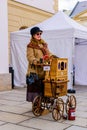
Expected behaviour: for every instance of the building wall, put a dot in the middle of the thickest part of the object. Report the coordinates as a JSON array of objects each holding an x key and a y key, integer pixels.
[
  {"x": 3, "y": 37},
  {"x": 46, "y": 5},
  {"x": 5, "y": 77},
  {"x": 81, "y": 18},
  {"x": 21, "y": 15}
]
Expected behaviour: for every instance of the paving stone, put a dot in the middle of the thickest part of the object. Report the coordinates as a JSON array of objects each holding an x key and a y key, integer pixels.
[
  {"x": 2, "y": 122},
  {"x": 81, "y": 114},
  {"x": 76, "y": 128},
  {"x": 13, "y": 118},
  {"x": 81, "y": 108},
  {"x": 8, "y": 102},
  {"x": 13, "y": 109},
  {"x": 29, "y": 113},
  {"x": 14, "y": 127},
  {"x": 12, "y": 98},
  {"x": 44, "y": 124},
  {"x": 50, "y": 118},
  {"x": 26, "y": 105},
  {"x": 78, "y": 121}
]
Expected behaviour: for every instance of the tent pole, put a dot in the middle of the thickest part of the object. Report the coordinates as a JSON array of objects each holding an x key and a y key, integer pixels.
[{"x": 72, "y": 71}]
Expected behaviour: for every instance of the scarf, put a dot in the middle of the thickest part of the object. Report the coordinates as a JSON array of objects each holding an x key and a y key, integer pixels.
[{"x": 35, "y": 45}]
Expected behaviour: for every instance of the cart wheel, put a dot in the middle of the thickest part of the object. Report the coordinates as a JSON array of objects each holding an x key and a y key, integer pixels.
[
  {"x": 36, "y": 106},
  {"x": 60, "y": 105},
  {"x": 56, "y": 114},
  {"x": 70, "y": 102}
]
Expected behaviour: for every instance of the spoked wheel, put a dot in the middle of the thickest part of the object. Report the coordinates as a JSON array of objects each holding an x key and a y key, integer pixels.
[
  {"x": 60, "y": 106},
  {"x": 36, "y": 106},
  {"x": 70, "y": 102},
  {"x": 56, "y": 114},
  {"x": 58, "y": 109}
]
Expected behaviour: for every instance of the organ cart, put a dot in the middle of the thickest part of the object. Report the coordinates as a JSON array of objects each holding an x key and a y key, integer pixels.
[{"x": 55, "y": 86}]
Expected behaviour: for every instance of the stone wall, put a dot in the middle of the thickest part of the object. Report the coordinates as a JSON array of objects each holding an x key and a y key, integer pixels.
[{"x": 5, "y": 82}]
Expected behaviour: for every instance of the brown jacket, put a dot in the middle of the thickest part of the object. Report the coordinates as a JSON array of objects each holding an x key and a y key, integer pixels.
[{"x": 35, "y": 51}]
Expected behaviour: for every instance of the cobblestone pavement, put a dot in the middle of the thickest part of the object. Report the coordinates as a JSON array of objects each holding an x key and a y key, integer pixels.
[{"x": 16, "y": 113}]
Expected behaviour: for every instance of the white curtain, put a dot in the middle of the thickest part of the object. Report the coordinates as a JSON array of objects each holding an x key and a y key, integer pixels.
[
  {"x": 81, "y": 64},
  {"x": 19, "y": 61}
]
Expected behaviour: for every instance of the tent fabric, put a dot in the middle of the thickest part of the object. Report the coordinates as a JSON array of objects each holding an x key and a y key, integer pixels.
[
  {"x": 19, "y": 61},
  {"x": 61, "y": 33},
  {"x": 81, "y": 61},
  {"x": 59, "y": 22}
]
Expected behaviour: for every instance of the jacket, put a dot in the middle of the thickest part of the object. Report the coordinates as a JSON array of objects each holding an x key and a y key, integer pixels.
[{"x": 35, "y": 51}]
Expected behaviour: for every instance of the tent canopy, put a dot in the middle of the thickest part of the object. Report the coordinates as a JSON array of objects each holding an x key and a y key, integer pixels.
[
  {"x": 60, "y": 32},
  {"x": 60, "y": 22}
]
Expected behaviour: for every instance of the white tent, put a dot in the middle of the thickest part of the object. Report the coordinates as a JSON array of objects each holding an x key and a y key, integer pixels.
[{"x": 65, "y": 38}]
